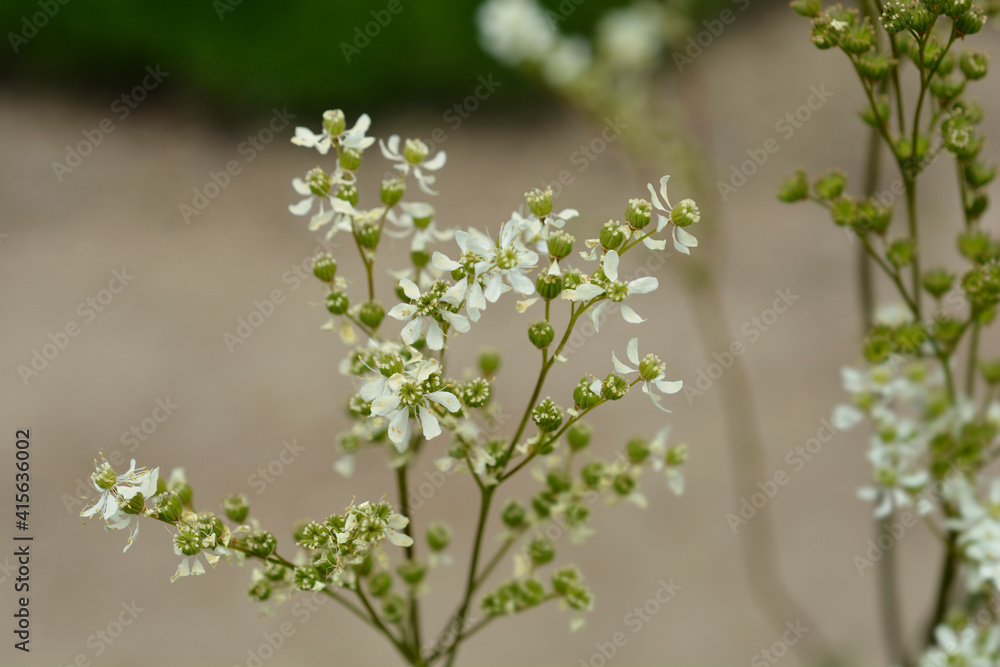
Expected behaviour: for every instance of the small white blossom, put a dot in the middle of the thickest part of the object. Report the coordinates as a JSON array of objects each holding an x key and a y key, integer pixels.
[
  {"x": 683, "y": 241},
  {"x": 658, "y": 382},
  {"x": 404, "y": 396},
  {"x": 390, "y": 149},
  {"x": 426, "y": 305},
  {"x": 353, "y": 138},
  {"x": 515, "y": 31}
]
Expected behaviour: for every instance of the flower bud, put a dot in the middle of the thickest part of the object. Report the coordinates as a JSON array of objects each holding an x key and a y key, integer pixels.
[
  {"x": 420, "y": 258},
  {"x": 583, "y": 397},
  {"x": 105, "y": 477},
  {"x": 612, "y": 235},
  {"x": 974, "y": 64},
  {"x": 592, "y": 474},
  {"x": 937, "y": 282},
  {"x": 236, "y": 507},
  {"x": 979, "y": 174},
  {"x": 651, "y": 367},
  {"x": 348, "y": 193},
  {"x": 560, "y": 244},
  {"x": 261, "y": 543},
  {"x": 178, "y": 484},
  {"x": 824, "y": 36},
  {"x": 260, "y": 591},
  {"x": 371, "y": 314},
  {"x": 476, "y": 393},
  {"x": 921, "y": 18},
  {"x": 971, "y": 21},
  {"x": 638, "y": 213},
  {"x": 169, "y": 507},
  {"x": 808, "y": 8},
  {"x": 350, "y": 159},
  {"x": 614, "y": 387},
  {"x": 547, "y": 416},
  {"x": 637, "y": 450},
  {"x": 325, "y": 267},
  {"x": 623, "y": 484},
  {"x": 859, "y": 39},
  {"x": 566, "y": 578},
  {"x": 513, "y": 514},
  {"x": 392, "y": 190},
  {"x": 334, "y": 122},
  {"x": 549, "y": 285},
  {"x": 133, "y": 505},
  {"x": 319, "y": 182},
  {"x": 439, "y": 536},
  {"x": 977, "y": 206},
  {"x": 274, "y": 571},
  {"x": 558, "y": 481},
  {"x": 337, "y": 303},
  {"x": 314, "y": 536},
  {"x": 875, "y": 66},
  {"x": 946, "y": 89},
  {"x": 990, "y": 371},
  {"x": 188, "y": 541},
  {"x": 953, "y": 8},
  {"x": 579, "y": 598},
  {"x": 368, "y": 235},
  {"x": 896, "y": 17},
  {"x": 415, "y": 151},
  {"x": 411, "y": 571},
  {"x": 901, "y": 252},
  {"x": 393, "y": 608},
  {"x": 541, "y": 551},
  {"x": 685, "y": 213},
  {"x": 676, "y": 455},
  {"x": 877, "y": 116},
  {"x": 977, "y": 246},
  {"x": 380, "y": 584},
  {"x": 307, "y": 578},
  {"x": 830, "y": 185},
  {"x": 489, "y": 361},
  {"x": 540, "y": 202},
  {"x": 873, "y": 217},
  {"x": 579, "y": 435},
  {"x": 795, "y": 189},
  {"x": 844, "y": 212},
  {"x": 541, "y": 334}
]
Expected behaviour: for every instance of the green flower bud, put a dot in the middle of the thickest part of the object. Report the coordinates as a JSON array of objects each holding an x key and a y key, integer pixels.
[
  {"x": 977, "y": 246},
  {"x": 677, "y": 455},
  {"x": 638, "y": 213},
  {"x": 371, "y": 314},
  {"x": 549, "y": 285},
  {"x": 651, "y": 367},
  {"x": 579, "y": 435},
  {"x": 877, "y": 116},
  {"x": 368, "y": 234},
  {"x": 946, "y": 89},
  {"x": 411, "y": 571},
  {"x": 187, "y": 541},
  {"x": 795, "y": 189},
  {"x": 513, "y": 514},
  {"x": 183, "y": 490},
  {"x": 623, "y": 484},
  {"x": 572, "y": 279},
  {"x": 348, "y": 193},
  {"x": 261, "y": 543},
  {"x": 319, "y": 182},
  {"x": 808, "y": 8},
  {"x": 685, "y": 213},
  {"x": 393, "y": 608},
  {"x": 489, "y": 361},
  {"x": 592, "y": 474},
  {"x": 541, "y": 551},
  {"x": 824, "y": 36},
  {"x": 558, "y": 481},
  {"x": 844, "y": 212},
  {"x": 990, "y": 371},
  {"x": 977, "y": 206},
  {"x": 583, "y": 397},
  {"x": 904, "y": 146},
  {"x": 560, "y": 244},
  {"x": 637, "y": 450},
  {"x": 476, "y": 393},
  {"x": 576, "y": 514},
  {"x": 334, "y": 122},
  {"x": 236, "y": 507},
  {"x": 439, "y": 536},
  {"x": 540, "y": 202},
  {"x": 830, "y": 185},
  {"x": 953, "y": 8},
  {"x": 350, "y": 159},
  {"x": 307, "y": 578},
  {"x": 971, "y": 21},
  {"x": 612, "y": 235},
  {"x": 420, "y": 258},
  {"x": 337, "y": 303},
  {"x": 274, "y": 571},
  {"x": 614, "y": 387},
  {"x": 579, "y": 598},
  {"x": 937, "y": 282},
  {"x": 392, "y": 190},
  {"x": 975, "y": 64},
  {"x": 169, "y": 507},
  {"x": 415, "y": 151},
  {"x": 876, "y": 349},
  {"x": 260, "y": 591},
  {"x": 896, "y": 17},
  {"x": 380, "y": 584},
  {"x": 325, "y": 267},
  {"x": 566, "y": 578},
  {"x": 530, "y": 593},
  {"x": 541, "y": 334},
  {"x": 314, "y": 536},
  {"x": 979, "y": 174},
  {"x": 875, "y": 66},
  {"x": 901, "y": 252},
  {"x": 859, "y": 38},
  {"x": 921, "y": 18},
  {"x": 547, "y": 416},
  {"x": 133, "y": 505},
  {"x": 105, "y": 477}
]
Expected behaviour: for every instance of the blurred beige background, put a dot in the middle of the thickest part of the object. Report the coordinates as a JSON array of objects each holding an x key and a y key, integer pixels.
[{"x": 162, "y": 338}]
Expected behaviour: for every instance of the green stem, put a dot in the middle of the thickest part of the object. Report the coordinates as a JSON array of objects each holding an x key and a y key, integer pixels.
[{"x": 404, "y": 503}]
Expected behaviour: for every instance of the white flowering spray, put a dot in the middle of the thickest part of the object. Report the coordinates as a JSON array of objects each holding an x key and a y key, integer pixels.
[
  {"x": 926, "y": 389},
  {"x": 406, "y": 404}
]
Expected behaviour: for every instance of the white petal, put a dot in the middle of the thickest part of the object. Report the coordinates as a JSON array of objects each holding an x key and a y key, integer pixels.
[
  {"x": 302, "y": 207},
  {"x": 633, "y": 351},
  {"x": 435, "y": 162},
  {"x": 399, "y": 539},
  {"x": 522, "y": 306},
  {"x": 584, "y": 292},
  {"x": 654, "y": 244},
  {"x": 643, "y": 285},
  {"x": 457, "y": 321},
  {"x": 435, "y": 337},
  {"x": 456, "y": 292},
  {"x": 383, "y": 405},
  {"x": 429, "y": 423},
  {"x": 686, "y": 238},
  {"x": 411, "y": 332},
  {"x": 320, "y": 219},
  {"x": 410, "y": 289},
  {"x": 611, "y": 265},
  {"x": 620, "y": 367},
  {"x": 630, "y": 315},
  {"x": 402, "y": 311},
  {"x": 596, "y": 314},
  {"x": 668, "y": 386},
  {"x": 399, "y": 428},
  {"x": 521, "y": 283},
  {"x": 301, "y": 187},
  {"x": 443, "y": 262},
  {"x": 595, "y": 387},
  {"x": 663, "y": 191},
  {"x": 445, "y": 398},
  {"x": 494, "y": 287}
]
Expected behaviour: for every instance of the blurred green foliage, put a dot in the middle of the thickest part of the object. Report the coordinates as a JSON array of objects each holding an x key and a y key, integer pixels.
[{"x": 246, "y": 56}]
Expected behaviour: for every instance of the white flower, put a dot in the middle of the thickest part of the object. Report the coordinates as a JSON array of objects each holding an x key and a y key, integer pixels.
[
  {"x": 404, "y": 396},
  {"x": 616, "y": 291},
  {"x": 515, "y": 31},
  {"x": 492, "y": 263},
  {"x": 390, "y": 149},
  {"x": 115, "y": 489},
  {"x": 683, "y": 241},
  {"x": 658, "y": 451},
  {"x": 971, "y": 647},
  {"x": 631, "y": 37},
  {"x": 423, "y": 233},
  {"x": 426, "y": 306},
  {"x": 353, "y": 138},
  {"x": 330, "y": 208},
  {"x": 567, "y": 61},
  {"x": 646, "y": 368}
]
